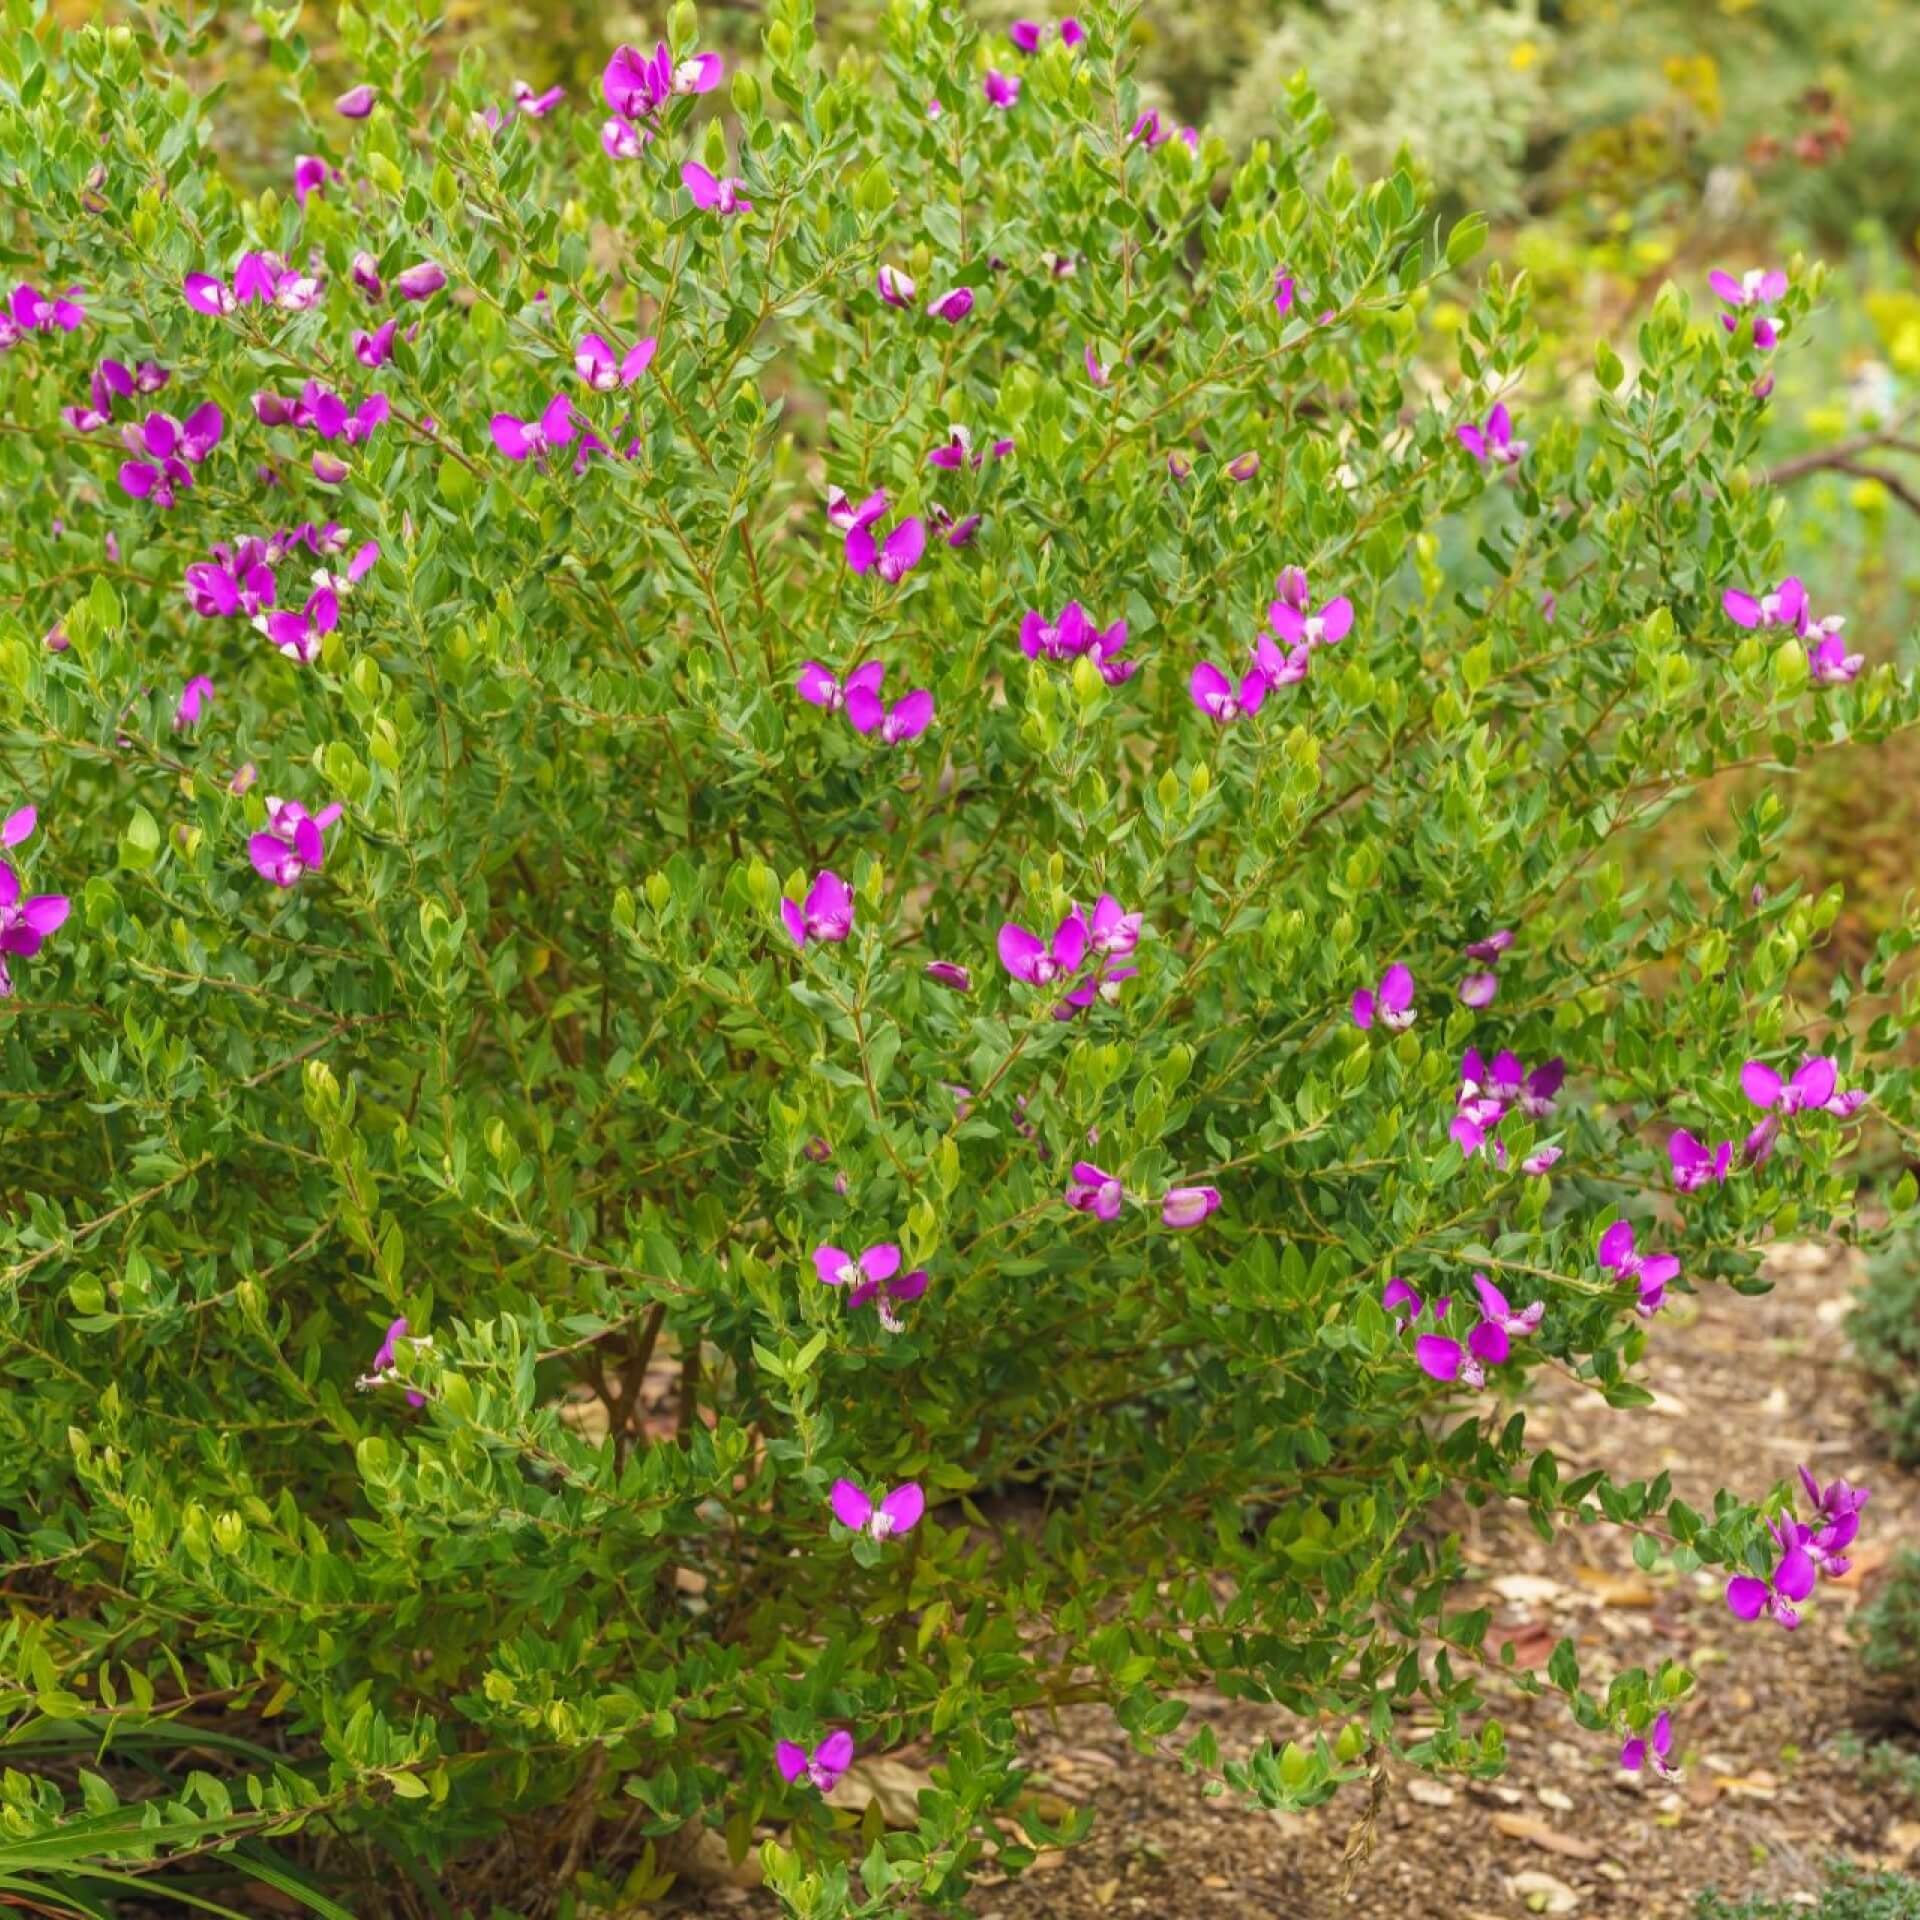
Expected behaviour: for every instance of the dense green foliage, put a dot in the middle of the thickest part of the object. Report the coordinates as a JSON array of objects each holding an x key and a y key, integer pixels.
[
  {"x": 532, "y": 1062},
  {"x": 1886, "y": 1334}
]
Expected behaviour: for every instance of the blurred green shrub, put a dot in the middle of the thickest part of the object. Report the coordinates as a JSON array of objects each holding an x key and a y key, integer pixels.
[
  {"x": 1850, "y": 1893},
  {"x": 1885, "y": 1327}
]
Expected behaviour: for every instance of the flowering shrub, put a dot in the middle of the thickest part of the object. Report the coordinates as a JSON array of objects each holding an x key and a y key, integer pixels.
[{"x": 801, "y": 861}]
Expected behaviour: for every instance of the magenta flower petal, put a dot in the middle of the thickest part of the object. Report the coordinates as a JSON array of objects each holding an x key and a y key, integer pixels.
[{"x": 851, "y": 1507}]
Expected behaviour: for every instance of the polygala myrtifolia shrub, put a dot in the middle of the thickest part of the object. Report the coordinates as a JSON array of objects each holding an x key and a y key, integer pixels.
[{"x": 794, "y": 864}]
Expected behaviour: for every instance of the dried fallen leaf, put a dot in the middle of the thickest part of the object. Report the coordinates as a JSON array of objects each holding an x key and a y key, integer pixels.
[
  {"x": 1542, "y": 1893},
  {"x": 896, "y": 1787},
  {"x": 698, "y": 1855},
  {"x": 1527, "y": 1589},
  {"x": 1749, "y": 1786},
  {"x": 1554, "y": 1798},
  {"x": 1616, "y": 1589},
  {"x": 1903, "y": 1836},
  {"x": 1428, "y": 1793},
  {"x": 1532, "y": 1641},
  {"x": 1523, "y": 1826}
]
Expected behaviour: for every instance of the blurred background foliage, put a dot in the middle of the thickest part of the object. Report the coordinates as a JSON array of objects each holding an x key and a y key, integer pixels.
[{"x": 1616, "y": 144}]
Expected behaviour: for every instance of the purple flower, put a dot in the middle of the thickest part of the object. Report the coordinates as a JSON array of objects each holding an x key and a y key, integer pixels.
[
  {"x": 1001, "y": 89},
  {"x": 872, "y": 1268},
  {"x": 1400, "y": 1300},
  {"x": 895, "y": 1512},
  {"x": 386, "y": 1360},
  {"x": 1298, "y": 623},
  {"x": 1218, "y": 697},
  {"x": 1540, "y": 1161},
  {"x": 1694, "y": 1164},
  {"x": 536, "y": 106},
  {"x": 1812, "y": 1085},
  {"x": 1282, "y": 290},
  {"x": 636, "y": 86},
  {"x": 622, "y": 139},
  {"x": 887, "y": 1294},
  {"x": 958, "y": 451},
  {"x": 1095, "y": 371},
  {"x": 1494, "y": 1307},
  {"x": 528, "y": 439},
  {"x": 1441, "y": 1358},
  {"x": 170, "y": 444},
  {"x": 195, "y": 697},
  {"x": 1837, "y": 1508},
  {"x": 297, "y": 633},
  {"x": 419, "y": 282},
  {"x": 1543, "y": 1087},
  {"x": 948, "y": 973},
  {"x": 1113, "y": 931},
  {"x": 827, "y": 914},
  {"x": 717, "y": 193},
  {"x": 357, "y": 102},
  {"x": 1071, "y": 32},
  {"x": 1063, "y": 638},
  {"x": 905, "y": 720},
  {"x": 1093, "y": 1191},
  {"x": 1025, "y": 34},
  {"x": 956, "y": 533},
  {"x": 24, "y": 923},
  {"x": 1494, "y": 442},
  {"x": 1793, "y": 1578},
  {"x": 1651, "y": 1270},
  {"x": 1105, "y": 652},
  {"x": 1244, "y": 467},
  {"x": 293, "y": 844},
  {"x": 1039, "y": 963},
  {"x": 1828, "y": 661},
  {"x": 899, "y": 554},
  {"x": 1491, "y": 948},
  {"x": 310, "y": 175},
  {"x": 1280, "y": 669},
  {"x": 845, "y": 516},
  {"x": 1757, "y": 289},
  {"x": 375, "y": 349},
  {"x": 1652, "y": 1751},
  {"x": 823, "y": 1767},
  {"x": 952, "y": 306},
  {"x": 1393, "y": 1004},
  {"x": 35, "y": 312},
  {"x": 1149, "y": 129},
  {"x": 600, "y": 368},
  {"x": 1188, "y": 1206},
  {"x": 895, "y": 286},
  {"x": 819, "y": 687},
  {"x": 1757, "y": 1148},
  {"x": 1784, "y": 606},
  {"x": 1478, "y": 989},
  {"x": 1102, "y": 986}
]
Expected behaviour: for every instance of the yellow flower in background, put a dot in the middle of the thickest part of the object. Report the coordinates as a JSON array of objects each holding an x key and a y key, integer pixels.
[
  {"x": 1896, "y": 319},
  {"x": 1523, "y": 56}
]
